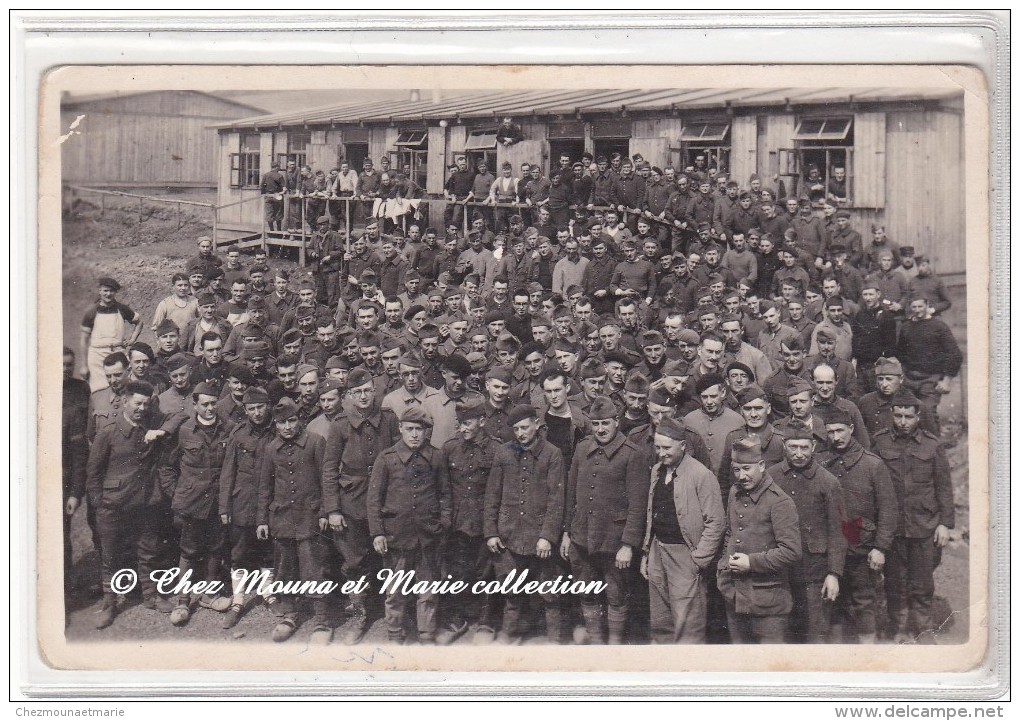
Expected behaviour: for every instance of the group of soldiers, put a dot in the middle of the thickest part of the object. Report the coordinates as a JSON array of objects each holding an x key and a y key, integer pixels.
[{"x": 735, "y": 430}]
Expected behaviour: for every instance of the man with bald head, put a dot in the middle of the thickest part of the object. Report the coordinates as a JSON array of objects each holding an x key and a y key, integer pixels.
[{"x": 826, "y": 398}]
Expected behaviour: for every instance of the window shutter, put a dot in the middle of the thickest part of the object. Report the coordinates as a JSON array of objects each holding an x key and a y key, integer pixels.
[{"x": 869, "y": 161}]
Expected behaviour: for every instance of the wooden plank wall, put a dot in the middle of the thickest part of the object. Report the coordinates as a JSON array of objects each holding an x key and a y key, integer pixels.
[
  {"x": 774, "y": 133},
  {"x": 743, "y": 148},
  {"x": 436, "y": 160},
  {"x": 869, "y": 163},
  {"x": 925, "y": 203}
]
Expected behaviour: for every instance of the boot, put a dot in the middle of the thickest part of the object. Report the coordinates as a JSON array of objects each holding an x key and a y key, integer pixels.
[
  {"x": 554, "y": 624},
  {"x": 155, "y": 602},
  {"x": 107, "y": 611},
  {"x": 863, "y": 638},
  {"x": 898, "y": 626},
  {"x": 359, "y": 621},
  {"x": 233, "y": 614},
  {"x": 285, "y": 628},
  {"x": 322, "y": 629},
  {"x": 594, "y": 621},
  {"x": 617, "y": 625}
]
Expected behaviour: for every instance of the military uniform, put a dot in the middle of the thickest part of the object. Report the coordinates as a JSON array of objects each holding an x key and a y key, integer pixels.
[
  {"x": 238, "y": 494},
  {"x": 771, "y": 449},
  {"x": 714, "y": 430}
]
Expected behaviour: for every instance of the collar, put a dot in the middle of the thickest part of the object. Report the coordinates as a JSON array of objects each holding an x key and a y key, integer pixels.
[
  {"x": 404, "y": 453},
  {"x": 850, "y": 457},
  {"x": 125, "y": 426},
  {"x": 300, "y": 441},
  {"x": 757, "y": 493},
  {"x": 808, "y": 471},
  {"x": 610, "y": 448}
]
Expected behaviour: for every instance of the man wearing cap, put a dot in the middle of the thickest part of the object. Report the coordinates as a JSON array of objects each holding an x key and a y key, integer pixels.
[
  {"x": 330, "y": 393},
  {"x": 597, "y": 275},
  {"x": 498, "y": 382},
  {"x": 210, "y": 367},
  {"x": 879, "y": 245},
  {"x": 290, "y": 506},
  {"x": 634, "y": 277},
  {"x": 874, "y": 333},
  {"x": 835, "y": 327},
  {"x": 755, "y": 409},
  {"x": 177, "y": 399},
  {"x": 273, "y": 187},
  {"x": 607, "y": 489},
  {"x": 775, "y": 333},
  {"x": 684, "y": 528},
  {"x": 256, "y": 326},
  {"x": 441, "y": 407},
  {"x": 819, "y": 500},
  {"x": 120, "y": 485},
  {"x": 408, "y": 503},
  {"x": 469, "y": 458},
  {"x": 713, "y": 421},
  {"x": 104, "y": 331},
  {"x": 876, "y": 407},
  {"x": 845, "y": 236},
  {"x": 167, "y": 337},
  {"x": 413, "y": 390},
  {"x": 801, "y": 401},
  {"x": 809, "y": 228},
  {"x": 927, "y": 285},
  {"x": 327, "y": 250},
  {"x": 653, "y": 348},
  {"x": 193, "y": 471},
  {"x": 234, "y": 307},
  {"x": 737, "y": 351},
  {"x": 206, "y": 322},
  {"x": 282, "y": 298},
  {"x": 238, "y": 496},
  {"x": 777, "y": 385},
  {"x": 523, "y": 519},
  {"x": 391, "y": 269},
  {"x": 755, "y": 583},
  {"x": 230, "y": 406},
  {"x": 827, "y": 397},
  {"x": 930, "y": 356},
  {"x": 890, "y": 281},
  {"x": 925, "y": 513},
  {"x": 870, "y": 520}
]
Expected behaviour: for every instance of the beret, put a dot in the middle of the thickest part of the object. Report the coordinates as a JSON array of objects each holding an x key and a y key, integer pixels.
[
  {"x": 566, "y": 345},
  {"x": 507, "y": 342},
  {"x": 689, "y": 336},
  {"x": 457, "y": 364},
  {"x": 176, "y": 361},
  {"x": 207, "y": 299},
  {"x": 338, "y": 361},
  {"x": 617, "y": 356},
  {"x": 652, "y": 337},
  {"x": 477, "y": 360},
  {"x": 205, "y": 389},
  {"x": 747, "y": 450},
  {"x": 637, "y": 383},
  {"x": 391, "y": 342},
  {"x": 521, "y": 412},
  {"x": 255, "y": 394},
  {"x": 411, "y": 360},
  {"x": 494, "y": 315},
  {"x": 239, "y": 371},
  {"x": 797, "y": 434},
  {"x": 167, "y": 326},
  {"x": 672, "y": 428},
  {"x": 499, "y": 373},
  {"x": 751, "y": 393},
  {"x": 707, "y": 381},
  {"x": 470, "y": 408},
  {"x": 888, "y": 367},
  {"x": 738, "y": 366},
  {"x": 143, "y": 348},
  {"x": 256, "y": 302},
  {"x": 591, "y": 368},
  {"x": 306, "y": 283},
  {"x": 660, "y": 396},
  {"x": 304, "y": 311},
  {"x": 603, "y": 408},
  {"x": 141, "y": 388},
  {"x": 838, "y": 416},
  {"x": 305, "y": 368},
  {"x": 904, "y": 397},
  {"x": 358, "y": 377},
  {"x": 330, "y": 384},
  {"x": 108, "y": 282},
  {"x": 291, "y": 336},
  {"x": 429, "y": 330},
  {"x": 285, "y": 408},
  {"x": 798, "y": 385},
  {"x": 413, "y": 310},
  {"x": 322, "y": 219}
]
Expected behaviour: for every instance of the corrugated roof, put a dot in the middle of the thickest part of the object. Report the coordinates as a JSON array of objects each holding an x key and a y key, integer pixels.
[
  {"x": 569, "y": 102},
  {"x": 70, "y": 101}
]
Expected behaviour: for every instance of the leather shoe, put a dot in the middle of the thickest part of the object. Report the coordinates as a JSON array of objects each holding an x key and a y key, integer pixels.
[
  {"x": 158, "y": 603},
  {"x": 484, "y": 635},
  {"x": 180, "y": 615},
  {"x": 214, "y": 603},
  {"x": 284, "y": 630},
  {"x": 451, "y": 633},
  {"x": 107, "y": 613},
  {"x": 357, "y": 630},
  {"x": 233, "y": 615}
]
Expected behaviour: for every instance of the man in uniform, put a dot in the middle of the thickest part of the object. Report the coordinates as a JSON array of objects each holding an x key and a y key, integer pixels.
[
  {"x": 755, "y": 583},
  {"x": 924, "y": 491},
  {"x": 754, "y": 408},
  {"x": 819, "y": 500},
  {"x": 713, "y": 421},
  {"x": 607, "y": 495},
  {"x": 684, "y": 528}
]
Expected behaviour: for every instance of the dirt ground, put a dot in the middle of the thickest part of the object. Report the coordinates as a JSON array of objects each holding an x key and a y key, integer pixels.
[{"x": 143, "y": 256}]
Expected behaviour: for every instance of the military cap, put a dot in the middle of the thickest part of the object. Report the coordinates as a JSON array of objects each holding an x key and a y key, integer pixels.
[
  {"x": 284, "y": 409},
  {"x": 603, "y": 408},
  {"x": 566, "y": 346},
  {"x": 205, "y": 389},
  {"x": 258, "y": 349},
  {"x": 627, "y": 245},
  {"x": 368, "y": 276},
  {"x": 412, "y": 274},
  {"x": 255, "y": 394},
  {"x": 256, "y": 302},
  {"x": 258, "y": 268},
  {"x": 499, "y": 373},
  {"x": 478, "y": 361},
  {"x": 195, "y": 267},
  {"x": 838, "y": 416},
  {"x": 507, "y": 342},
  {"x": 435, "y": 292},
  {"x": 737, "y": 365},
  {"x": 747, "y": 450},
  {"x": 837, "y": 248},
  {"x": 338, "y": 361},
  {"x": 306, "y": 283},
  {"x": 416, "y": 414},
  {"x": 608, "y": 321},
  {"x": 672, "y": 428},
  {"x": 676, "y": 369},
  {"x": 414, "y": 310},
  {"x": 429, "y": 330},
  {"x": 330, "y": 384},
  {"x": 306, "y": 368},
  {"x": 541, "y": 320},
  {"x": 469, "y": 408},
  {"x": 516, "y": 219},
  {"x": 652, "y": 337},
  {"x": 494, "y": 315},
  {"x": 167, "y": 326},
  {"x": 411, "y": 360},
  {"x": 291, "y": 336},
  {"x": 520, "y": 412},
  {"x": 797, "y": 434},
  {"x": 708, "y": 309},
  {"x": 452, "y": 291},
  {"x": 797, "y": 386},
  {"x": 843, "y": 214},
  {"x": 322, "y": 219},
  {"x": 636, "y": 383},
  {"x": 214, "y": 273},
  {"x": 825, "y": 335},
  {"x": 617, "y": 356},
  {"x": 391, "y": 342},
  {"x": 282, "y": 273},
  {"x": 660, "y": 396},
  {"x": 752, "y": 393},
  {"x": 591, "y": 368},
  {"x": 707, "y": 381},
  {"x": 920, "y": 258},
  {"x": 304, "y": 311},
  {"x": 457, "y": 364},
  {"x": 888, "y": 367},
  {"x": 903, "y": 397},
  {"x": 906, "y": 250},
  {"x": 359, "y": 377},
  {"x": 239, "y": 371},
  {"x": 207, "y": 299},
  {"x": 108, "y": 282},
  {"x": 689, "y": 336},
  {"x": 704, "y": 226},
  {"x": 176, "y": 361}
]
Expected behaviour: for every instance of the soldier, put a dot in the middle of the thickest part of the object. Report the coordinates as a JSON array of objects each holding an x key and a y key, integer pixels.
[
  {"x": 120, "y": 485},
  {"x": 870, "y": 519},
  {"x": 354, "y": 444},
  {"x": 607, "y": 493},
  {"x": 713, "y": 421},
  {"x": 754, "y": 408},
  {"x": 827, "y": 396},
  {"x": 684, "y": 528},
  {"x": 924, "y": 491},
  {"x": 819, "y": 500},
  {"x": 755, "y": 583},
  {"x": 408, "y": 512},
  {"x": 106, "y": 404},
  {"x": 290, "y": 506},
  {"x": 194, "y": 470},
  {"x": 238, "y": 498},
  {"x": 524, "y": 502}
]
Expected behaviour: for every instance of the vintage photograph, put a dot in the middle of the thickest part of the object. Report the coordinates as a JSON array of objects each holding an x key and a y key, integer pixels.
[{"x": 373, "y": 369}]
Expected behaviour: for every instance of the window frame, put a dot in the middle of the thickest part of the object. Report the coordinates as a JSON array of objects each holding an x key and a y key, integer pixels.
[{"x": 830, "y": 143}]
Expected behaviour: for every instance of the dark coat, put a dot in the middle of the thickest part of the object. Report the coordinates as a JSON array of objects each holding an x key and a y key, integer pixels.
[
  {"x": 469, "y": 464},
  {"x": 524, "y": 496},
  {"x": 409, "y": 496},
  {"x": 920, "y": 475},
  {"x": 290, "y": 488},
  {"x": 871, "y": 506},
  {"x": 353, "y": 446},
  {"x": 198, "y": 460},
  {"x": 239, "y": 477}
]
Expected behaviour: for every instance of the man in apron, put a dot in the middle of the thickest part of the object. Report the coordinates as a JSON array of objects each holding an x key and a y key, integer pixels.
[{"x": 103, "y": 331}]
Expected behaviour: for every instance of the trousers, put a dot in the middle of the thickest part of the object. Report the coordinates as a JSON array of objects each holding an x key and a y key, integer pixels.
[{"x": 678, "y": 595}]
